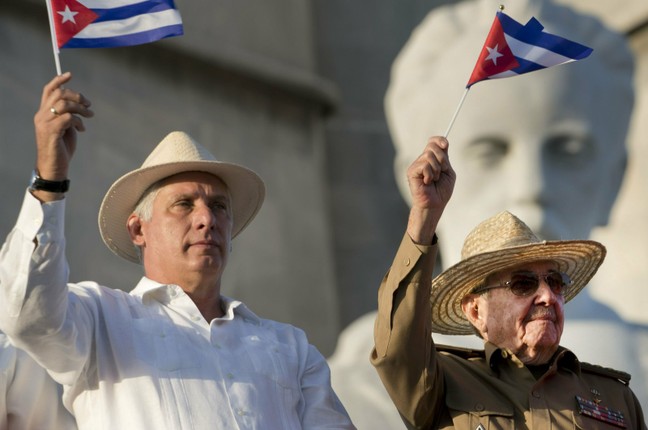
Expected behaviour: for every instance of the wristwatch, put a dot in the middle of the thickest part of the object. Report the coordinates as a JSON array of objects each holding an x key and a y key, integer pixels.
[{"x": 38, "y": 183}]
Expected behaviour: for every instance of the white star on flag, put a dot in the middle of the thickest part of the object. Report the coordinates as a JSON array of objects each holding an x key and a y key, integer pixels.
[
  {"x": 493, "y": 54},
  {"x": 67, "y": 15}
]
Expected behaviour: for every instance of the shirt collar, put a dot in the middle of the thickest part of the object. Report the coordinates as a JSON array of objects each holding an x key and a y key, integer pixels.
[{"x": 148, "y": 289}]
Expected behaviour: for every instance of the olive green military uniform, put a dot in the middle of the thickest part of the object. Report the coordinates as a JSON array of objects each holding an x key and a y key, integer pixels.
[{"x": 448, "y": 388}]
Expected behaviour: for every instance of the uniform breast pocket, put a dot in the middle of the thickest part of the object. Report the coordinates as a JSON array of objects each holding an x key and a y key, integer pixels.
[
  {"x": 275, "y": 361},
  {"x": 484, "y": 420},
  {"x": 156, "y": 343},
  {"x": 485, "y": 412}
]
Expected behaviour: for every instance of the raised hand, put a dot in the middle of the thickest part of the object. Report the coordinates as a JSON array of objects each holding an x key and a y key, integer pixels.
[
  {"x": 431, "y": 182},
  {"x": 57, "y": 122}
]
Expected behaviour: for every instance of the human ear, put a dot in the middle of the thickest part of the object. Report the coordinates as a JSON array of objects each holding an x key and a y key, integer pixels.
[
  {"x": 134, "y": 226},
  {"x": 470, "y": 307}
]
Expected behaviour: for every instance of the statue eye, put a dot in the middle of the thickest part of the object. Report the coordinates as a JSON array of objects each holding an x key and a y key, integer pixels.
[
  {"x": 487, "y": 152},
  {"x": 571, "y": 149}
]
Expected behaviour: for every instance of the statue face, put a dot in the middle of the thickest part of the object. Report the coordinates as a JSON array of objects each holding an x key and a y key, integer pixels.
[
  {"x": 549, "y": 146},
  {"x": 544, "y": 148}
]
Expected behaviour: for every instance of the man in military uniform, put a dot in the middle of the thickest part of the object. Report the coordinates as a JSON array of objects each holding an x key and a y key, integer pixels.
[{"x": 510, "y": 289}]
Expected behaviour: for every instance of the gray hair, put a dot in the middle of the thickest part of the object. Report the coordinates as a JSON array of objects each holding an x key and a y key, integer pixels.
[{"x": 144, "y": 208}]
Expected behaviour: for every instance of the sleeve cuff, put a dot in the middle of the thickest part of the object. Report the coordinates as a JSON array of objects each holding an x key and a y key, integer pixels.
[{"x": 44, "y": 221}]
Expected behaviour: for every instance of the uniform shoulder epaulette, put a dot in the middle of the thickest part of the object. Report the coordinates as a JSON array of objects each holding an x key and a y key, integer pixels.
[
  {"x": 465, "y": 353},
  {"x": 621, "y": 376}
]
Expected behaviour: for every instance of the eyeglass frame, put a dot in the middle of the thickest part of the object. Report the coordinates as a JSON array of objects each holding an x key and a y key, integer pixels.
[{"x": 566, "y": 281}]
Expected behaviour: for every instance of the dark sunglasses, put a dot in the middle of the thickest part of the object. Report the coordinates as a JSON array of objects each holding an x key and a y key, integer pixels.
[{"x": 524, "y": 284}]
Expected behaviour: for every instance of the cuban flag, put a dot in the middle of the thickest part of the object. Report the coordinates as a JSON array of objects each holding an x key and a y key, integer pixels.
[
  {"x": 512, "y": 49},
  {"x": 111, "y": 23}
]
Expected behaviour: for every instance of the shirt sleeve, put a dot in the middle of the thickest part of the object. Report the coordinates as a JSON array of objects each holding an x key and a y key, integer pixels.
[
  {"x": 322, "y": 407},
  {"x": 34, "y": 299},
  {"x": 404, "y": 354}
]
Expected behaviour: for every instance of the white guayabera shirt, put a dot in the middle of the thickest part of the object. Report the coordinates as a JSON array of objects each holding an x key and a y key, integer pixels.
[{"x": 148, "y": 359}]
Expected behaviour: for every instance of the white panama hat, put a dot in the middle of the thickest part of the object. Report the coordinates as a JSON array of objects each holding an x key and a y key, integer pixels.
[{"x": 176, "y": 153}]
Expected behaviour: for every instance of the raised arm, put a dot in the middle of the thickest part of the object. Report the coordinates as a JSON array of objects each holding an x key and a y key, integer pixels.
[
  {"x": 57, "y": 122},
  {"x": 33, "y": 269},
  {"x": 404, "y": 354}
]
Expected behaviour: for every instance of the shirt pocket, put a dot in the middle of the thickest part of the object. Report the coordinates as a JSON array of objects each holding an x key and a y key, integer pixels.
[
  {"x": 470, "y": 414},
  {"x": 156, "y": 343},
  {"x": 275, "y": 361}
]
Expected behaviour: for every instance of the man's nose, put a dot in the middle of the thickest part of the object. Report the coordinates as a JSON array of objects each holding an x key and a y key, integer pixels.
[
  {"x": 204, "y": 217},
  {"x": 544, "y": 293}
]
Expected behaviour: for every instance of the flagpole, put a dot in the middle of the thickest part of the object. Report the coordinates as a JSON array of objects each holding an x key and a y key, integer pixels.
[
  {"x": 454, "y": 117},
  {"x": 53, "y": 37}
]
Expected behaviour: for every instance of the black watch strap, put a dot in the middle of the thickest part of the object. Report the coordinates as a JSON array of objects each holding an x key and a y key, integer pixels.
[{"x": 38, "y": 183}]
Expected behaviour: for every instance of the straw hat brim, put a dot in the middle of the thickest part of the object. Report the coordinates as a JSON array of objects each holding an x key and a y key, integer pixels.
[
  {"x": 246, "y": 188},
  {"x": 580, "y": 259}
]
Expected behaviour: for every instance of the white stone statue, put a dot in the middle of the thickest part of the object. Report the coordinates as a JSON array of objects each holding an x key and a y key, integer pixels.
[{"x": 548, "y": 146}]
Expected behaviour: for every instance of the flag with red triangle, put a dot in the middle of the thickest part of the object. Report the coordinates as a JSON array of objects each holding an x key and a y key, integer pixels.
[
  {"x": 512, "y": 49},
  {"x": 110, "y": 23}
]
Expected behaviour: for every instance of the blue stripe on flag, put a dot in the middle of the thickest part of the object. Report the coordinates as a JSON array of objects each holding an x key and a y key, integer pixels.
[
  {"x": 130, "y": 11},
  {"x": 532, "y": 34},
  {"x": 127, "y": 40}
]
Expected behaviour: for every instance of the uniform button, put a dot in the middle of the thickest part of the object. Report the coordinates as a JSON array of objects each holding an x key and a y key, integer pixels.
[
  {"x": 536, "y": 394},
  {"x": 504, "y": 354},
  {"x": 479, "y": 407},
  {"x": 406, "y": 262}
]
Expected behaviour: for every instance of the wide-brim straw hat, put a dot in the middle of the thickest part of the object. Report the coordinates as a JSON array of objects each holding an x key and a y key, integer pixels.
[
  {"x": 176, "y": 153},
  {"x": 499, "y": 243}
]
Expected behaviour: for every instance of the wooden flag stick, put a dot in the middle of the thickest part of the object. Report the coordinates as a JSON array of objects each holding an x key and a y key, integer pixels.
[{"x": 454, "y": 117}]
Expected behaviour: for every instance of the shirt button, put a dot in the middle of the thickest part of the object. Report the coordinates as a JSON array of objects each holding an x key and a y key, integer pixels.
[
  {"x": 479, "y": 407},
  {"x": 195, "y": 318},
  {"x": 230, "y": 375}
]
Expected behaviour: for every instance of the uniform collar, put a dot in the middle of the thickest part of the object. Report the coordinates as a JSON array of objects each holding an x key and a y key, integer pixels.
[{"x": 563, "y": 358}]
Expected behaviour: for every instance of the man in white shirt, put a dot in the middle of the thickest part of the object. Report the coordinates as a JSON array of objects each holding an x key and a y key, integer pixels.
[
  {"x": 173, "y": 353},
  {"x": 29, "y": 398}
]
